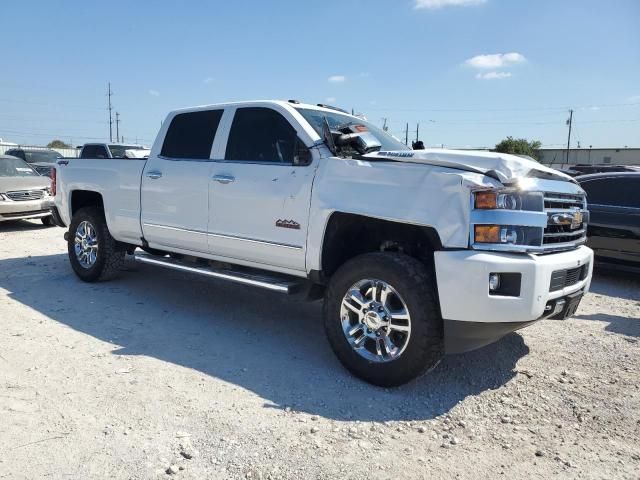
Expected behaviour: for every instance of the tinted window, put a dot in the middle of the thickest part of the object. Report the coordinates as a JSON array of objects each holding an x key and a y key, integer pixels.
[
  {"x": 119, "y": 151},
  {"x": 263, "y": 135},
  {"x": 191, "y": 135},
  {"x": 622, "y": 192},
  {"x": 94, "y": 151},
  {"x": 15, "y": 153},
  {"x": 43, "y": 156}
]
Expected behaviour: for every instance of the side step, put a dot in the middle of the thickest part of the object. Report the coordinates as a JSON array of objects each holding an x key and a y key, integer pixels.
[{"x": 273, "y": 282}]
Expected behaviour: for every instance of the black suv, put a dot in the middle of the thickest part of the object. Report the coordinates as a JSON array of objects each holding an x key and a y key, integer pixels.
[
  {"x": 42, "y": 159},
  {"x": 614, "y": 228}
]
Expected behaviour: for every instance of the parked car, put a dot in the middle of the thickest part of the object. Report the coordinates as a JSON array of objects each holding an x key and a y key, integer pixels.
[
  {"x": 614, "y": 228},
  {"x": 113, "y": 150},
  {"x": 41, "y": 159},
  {"x": 579, "y": 169},
  {"x": 23, "y": 192},
  {"x": 416, "y": 253}
]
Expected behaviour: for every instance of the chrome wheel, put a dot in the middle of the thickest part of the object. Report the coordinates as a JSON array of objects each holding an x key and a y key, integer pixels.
[
  {"x": 375, "y": 320},
  {"x": 86, "y": 244}
]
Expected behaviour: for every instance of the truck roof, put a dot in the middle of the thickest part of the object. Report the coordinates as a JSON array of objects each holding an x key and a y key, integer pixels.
[{"x": 284, "y": 103}]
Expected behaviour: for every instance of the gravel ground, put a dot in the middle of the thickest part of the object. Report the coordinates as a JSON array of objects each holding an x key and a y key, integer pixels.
[{"x": 159, "y": 374}]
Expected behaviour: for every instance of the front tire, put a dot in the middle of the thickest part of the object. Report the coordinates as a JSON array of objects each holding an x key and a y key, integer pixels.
[
  {"x": 382, "y": 318},
  {"x": 94, "y": 254}
]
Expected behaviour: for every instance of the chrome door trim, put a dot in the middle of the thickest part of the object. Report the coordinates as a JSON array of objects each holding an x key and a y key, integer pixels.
[{"x": 230, "y": 237}]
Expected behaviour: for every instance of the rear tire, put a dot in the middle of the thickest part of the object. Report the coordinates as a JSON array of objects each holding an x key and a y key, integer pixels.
[
  {"x": 416, "y": 342},
  {"x": 98, "y": 256}
]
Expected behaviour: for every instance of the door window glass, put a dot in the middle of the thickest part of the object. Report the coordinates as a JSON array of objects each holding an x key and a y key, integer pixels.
[
  {"x": 191, "y": 134},
  {"x": 261, "y": 135},
  {"x": 616, "y": 191}
]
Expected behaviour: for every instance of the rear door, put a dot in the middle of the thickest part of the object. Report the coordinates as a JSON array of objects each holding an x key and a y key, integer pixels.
[
  {"x": 614, "y": 206},
  {"x": 176, "y": 182},
  {"x": 261, "y": 190}
]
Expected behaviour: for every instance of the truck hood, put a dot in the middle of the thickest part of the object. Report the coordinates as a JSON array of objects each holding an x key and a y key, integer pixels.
[
  {"x": 501, "y": 166},
  {"x": 9, "y": 184}
]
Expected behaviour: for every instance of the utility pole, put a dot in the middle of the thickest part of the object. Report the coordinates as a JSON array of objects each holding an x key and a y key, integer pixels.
[
  {"x": 406, "y": 135},
  {"x": 569, "y": 122},
  {"x": 109, "y": 93},
  {"x": 117, "y": 127},
  {"x": 417, "y": 131}
]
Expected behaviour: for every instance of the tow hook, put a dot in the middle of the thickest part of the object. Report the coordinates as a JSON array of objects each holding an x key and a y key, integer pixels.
[{"x": 66, "y": 236}]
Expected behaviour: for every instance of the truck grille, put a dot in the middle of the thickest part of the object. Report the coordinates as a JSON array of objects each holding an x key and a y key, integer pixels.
[
  {"x": 566, "y": 221},
  {"x": 24, "y": 195},
  {"x": 565, "y": 278}
]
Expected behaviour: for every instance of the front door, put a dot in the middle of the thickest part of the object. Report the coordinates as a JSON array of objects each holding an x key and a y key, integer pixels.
[
  {"x": 260, "y": 193},
  {"x": 176, "y": 182}
]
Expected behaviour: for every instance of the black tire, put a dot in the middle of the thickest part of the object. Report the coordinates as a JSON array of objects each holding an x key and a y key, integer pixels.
[
  {"x": 111, "y": 254},
  {"x": 48, "y": 221},
  {"x": 415, "y": 284}
]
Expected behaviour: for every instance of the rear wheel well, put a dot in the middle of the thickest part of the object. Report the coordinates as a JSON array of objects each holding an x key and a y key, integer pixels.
[
  {"x": 349, "y": 235},
  {"x": 84, "y": 198}
]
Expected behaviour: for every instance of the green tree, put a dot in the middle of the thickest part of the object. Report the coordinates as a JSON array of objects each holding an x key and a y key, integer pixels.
[
  {"x": 519, "y": 146},
  {"x": 58, "y": 144}
]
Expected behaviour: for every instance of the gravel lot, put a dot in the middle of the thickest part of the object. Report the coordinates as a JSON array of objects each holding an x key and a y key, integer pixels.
[{"x": 159, "y": 374}]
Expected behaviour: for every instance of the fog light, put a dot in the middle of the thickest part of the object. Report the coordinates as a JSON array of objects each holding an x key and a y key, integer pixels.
[{"x": 494, "y": 282}]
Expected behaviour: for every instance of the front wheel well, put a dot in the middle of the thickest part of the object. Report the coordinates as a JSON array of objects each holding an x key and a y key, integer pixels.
[{"x": 349, "y": 235}]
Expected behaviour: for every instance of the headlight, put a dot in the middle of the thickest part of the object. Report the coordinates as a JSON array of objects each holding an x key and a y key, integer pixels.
[
  {"x": 507, "y": 219},
  {"x": 508, "y": 235},
  {"x": 508, "y": 200}
]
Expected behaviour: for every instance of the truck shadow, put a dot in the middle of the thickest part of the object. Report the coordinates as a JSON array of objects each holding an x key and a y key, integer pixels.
[
  {"x": 21, "y": 225},
  {"x": 629, "y": 326},
  {"x": 267, "y": 343}
]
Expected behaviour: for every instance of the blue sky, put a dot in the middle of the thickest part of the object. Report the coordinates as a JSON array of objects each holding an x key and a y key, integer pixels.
[{"x": 470, "y": 71}]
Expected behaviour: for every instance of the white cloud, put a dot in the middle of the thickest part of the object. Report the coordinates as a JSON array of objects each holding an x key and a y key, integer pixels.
[
  {"x": 208, "y": 80},
  {"x": 155, "y": 93},
  {"x": 434, "y": 4},
  {"x": 633, "y": 99},
  {"x": 495, "y": 60},
  {"x": 594, "y": 108},
  {"x": 337, "y": 79},
  {"x": 330, "y": 99},
  {"x": 493, "y": 75}
]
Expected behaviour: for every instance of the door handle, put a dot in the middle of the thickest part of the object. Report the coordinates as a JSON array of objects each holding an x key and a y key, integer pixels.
[
  {"x": 224, "y": 179},
  {"x": 154, "y": 175}
]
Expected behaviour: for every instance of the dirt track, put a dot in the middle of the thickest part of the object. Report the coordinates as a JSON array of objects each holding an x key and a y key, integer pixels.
[{"x": 128, "y": 378}]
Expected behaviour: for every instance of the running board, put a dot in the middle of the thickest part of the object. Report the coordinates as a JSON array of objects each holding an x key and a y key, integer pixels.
[{"x": 273, "y": 282}]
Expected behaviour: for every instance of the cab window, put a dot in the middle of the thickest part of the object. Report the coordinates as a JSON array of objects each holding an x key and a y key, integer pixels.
[{"x": 263, "y": 135}]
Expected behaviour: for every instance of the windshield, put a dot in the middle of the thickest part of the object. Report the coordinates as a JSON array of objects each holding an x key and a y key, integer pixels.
[
  {"x": 15, "y": 167},
  {"x": 44, "y": 156},
  {"x": 335, "y": 119},
  {"x": 117, "y": 151}
]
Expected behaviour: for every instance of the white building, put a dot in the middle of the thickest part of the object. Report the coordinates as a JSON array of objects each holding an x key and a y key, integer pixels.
[{"x": 557, "y": 157}]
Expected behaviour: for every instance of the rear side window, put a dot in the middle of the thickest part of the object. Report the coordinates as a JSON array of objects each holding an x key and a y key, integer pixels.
[
  {"x": 621, "y": 192},
  {"x": 261, "y": 135},
  {"x": 191, "y": 135}
]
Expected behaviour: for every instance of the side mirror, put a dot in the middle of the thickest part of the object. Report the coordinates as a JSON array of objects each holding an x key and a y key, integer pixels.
[{"x": 362, "y": 142}]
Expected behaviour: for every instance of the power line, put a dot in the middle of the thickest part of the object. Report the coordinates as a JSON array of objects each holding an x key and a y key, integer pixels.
[
  {"x": 511, "y": 109},
  {"x": 110, "y": 118}
]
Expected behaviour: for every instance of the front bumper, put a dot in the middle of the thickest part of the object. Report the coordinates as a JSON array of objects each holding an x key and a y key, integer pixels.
[
  {"x": 12, "y": 210},
  {"x": 465, "y": 302},
  {"x": 463, "y": 283}
]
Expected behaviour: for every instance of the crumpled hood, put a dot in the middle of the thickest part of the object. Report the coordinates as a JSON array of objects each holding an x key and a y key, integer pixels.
[
  {"x": 504, "y": 167},
  {"x": 9, "y": 184}
]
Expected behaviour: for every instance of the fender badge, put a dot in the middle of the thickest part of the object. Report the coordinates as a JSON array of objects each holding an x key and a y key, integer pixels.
[{"x": 288, "y": 224}]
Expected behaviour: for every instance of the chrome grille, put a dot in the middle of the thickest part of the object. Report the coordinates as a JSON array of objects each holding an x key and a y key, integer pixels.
[
  {"x": 24, "y": 195},
  {"x": 562, "y": 233}
]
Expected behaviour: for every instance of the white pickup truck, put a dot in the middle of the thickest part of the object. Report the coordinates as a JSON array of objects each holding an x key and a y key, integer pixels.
[{"x": 416, "y": 253}]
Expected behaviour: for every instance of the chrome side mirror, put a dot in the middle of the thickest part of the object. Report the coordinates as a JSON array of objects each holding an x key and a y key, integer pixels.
[{"x": 362, "y": 142}]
